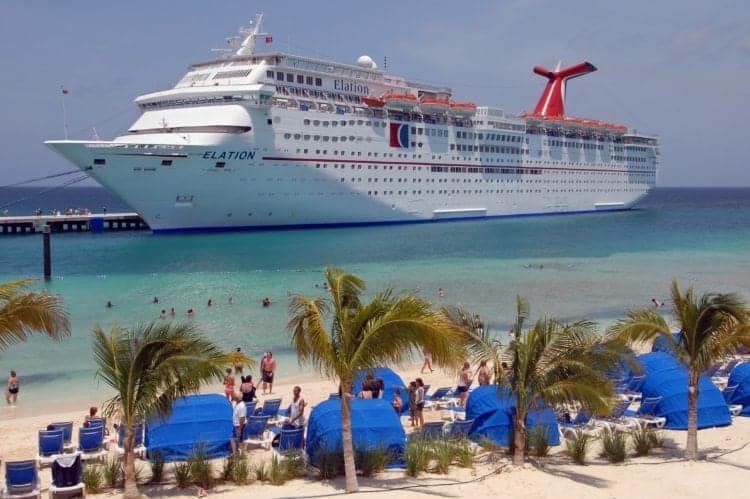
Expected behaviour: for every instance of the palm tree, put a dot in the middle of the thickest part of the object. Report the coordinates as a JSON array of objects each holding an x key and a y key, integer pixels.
[
  {"x": 552, "y": 363},
  {"x": 25, "y": 312},
  {"x": 387, "y": 330},
  {"x": 711, "y": 326},
  {"x": 149, "y": 367}
]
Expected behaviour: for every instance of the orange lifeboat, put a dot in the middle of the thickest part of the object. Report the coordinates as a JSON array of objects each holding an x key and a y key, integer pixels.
[
  {"x": 373, "y": 101},
  {"x": 400, "y": 102},
  {"x": 463, "y": 109},
  {"x": 433, "y": 105}
]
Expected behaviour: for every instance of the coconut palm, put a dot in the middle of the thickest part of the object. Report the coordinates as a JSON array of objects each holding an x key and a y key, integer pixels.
[
  {"x": 25, "y": 312},
  {"x": 712, "y": 326},
  {"x": 554, "y": 363},
  {"x": 387, "y": 330},
  {"x": 149, "y": 367}
]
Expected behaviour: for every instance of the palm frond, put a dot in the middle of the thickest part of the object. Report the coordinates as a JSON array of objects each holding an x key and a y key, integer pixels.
[{"x": 25, "y": 313}]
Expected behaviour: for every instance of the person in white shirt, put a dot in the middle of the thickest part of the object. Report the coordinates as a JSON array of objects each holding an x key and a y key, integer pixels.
[
  {"x": 297, "y": 409},
  {"x": 239, "y": 416}
]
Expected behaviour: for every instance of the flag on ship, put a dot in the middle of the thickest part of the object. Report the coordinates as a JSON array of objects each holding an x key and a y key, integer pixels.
[{"x": 64, "y": 90}]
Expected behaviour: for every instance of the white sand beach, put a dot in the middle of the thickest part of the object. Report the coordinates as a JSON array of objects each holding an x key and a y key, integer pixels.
[{"x": 722, "y": 472}]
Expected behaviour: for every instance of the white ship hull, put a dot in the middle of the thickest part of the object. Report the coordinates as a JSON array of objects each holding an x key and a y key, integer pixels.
[{"x": 274, "y": 140}]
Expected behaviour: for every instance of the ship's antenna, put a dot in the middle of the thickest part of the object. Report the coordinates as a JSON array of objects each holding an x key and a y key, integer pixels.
[
  {"x": 385, "y": 62},
  {"x": 247, "y": 46},
  {"x": 95, "y": 133}
]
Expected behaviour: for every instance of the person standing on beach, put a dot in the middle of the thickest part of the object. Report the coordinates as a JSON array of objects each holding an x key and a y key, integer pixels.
[
  {"x": 427, "y": 355},
  {"x": 413, "y": 402},
  {"x": 483, "y": 375},
  {"x": 297, "y": 409},
  {"x": 238, "y": 366},
  {"x": 229, "y": 384},
  {"x": 268, "y": 368},
  {"x": 239, "y": 416},
  {"x": 13, "y": 387},
  {"x": 463, "y": 385},
  {"x": 247, "y": 389},
  {"x": 419, "y": 403}
]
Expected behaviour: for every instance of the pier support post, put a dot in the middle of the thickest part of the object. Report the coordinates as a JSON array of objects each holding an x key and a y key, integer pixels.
[{"x": 47, "y": 253}]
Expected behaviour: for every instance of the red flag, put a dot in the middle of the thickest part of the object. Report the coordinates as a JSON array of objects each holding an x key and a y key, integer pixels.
[
  {"x": 269, "y": 39},
  {"x": 64, "y": 90}
]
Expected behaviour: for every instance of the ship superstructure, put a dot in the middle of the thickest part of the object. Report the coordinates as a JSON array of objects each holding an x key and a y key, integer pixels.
[{"x": 267, "y": 139}]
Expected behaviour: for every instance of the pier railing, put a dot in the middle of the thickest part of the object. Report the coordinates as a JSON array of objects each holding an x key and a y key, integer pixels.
[{"x": 93, "y": 222}]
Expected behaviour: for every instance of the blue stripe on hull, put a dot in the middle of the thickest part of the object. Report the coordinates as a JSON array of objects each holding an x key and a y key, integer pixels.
[{"x": 199, "y": 230}]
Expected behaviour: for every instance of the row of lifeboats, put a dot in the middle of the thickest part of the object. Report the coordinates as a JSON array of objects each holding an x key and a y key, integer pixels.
[
  {"x": 581, "y": 122},
  {"x": 428, "y": 105}
]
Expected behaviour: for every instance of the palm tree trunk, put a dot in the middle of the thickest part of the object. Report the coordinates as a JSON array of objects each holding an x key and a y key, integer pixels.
[
  {"x": 691, "y": 451},
  {"x": 131, "y": 486},
  {"x": 346, "y": 429},
  {"x": 519, "y": 438}
]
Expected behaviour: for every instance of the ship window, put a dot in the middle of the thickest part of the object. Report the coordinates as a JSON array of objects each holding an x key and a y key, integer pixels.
[
  {"x": 309, "y": 80},
  {"x": 300, "y": 79},
  {"x": 166, "y": 162},
  {"x": 269, "y": 121},
  {"x": 318, "y": 82},
  {"x": 269, "y": 74},
  {"x": 280, "y": 76},
  {"x": 290, "y": 77},
  {"x": 100, "y": 161},
  {"x": 325, "y": 123},
  {"x": 220, "y": 164}
]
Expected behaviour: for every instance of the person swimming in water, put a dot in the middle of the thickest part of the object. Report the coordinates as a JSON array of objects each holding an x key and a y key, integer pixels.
[
  {"x": 266, "y": 301},
  {"x": 109, "y": 304},
  {"x": 190, "y": 312}
]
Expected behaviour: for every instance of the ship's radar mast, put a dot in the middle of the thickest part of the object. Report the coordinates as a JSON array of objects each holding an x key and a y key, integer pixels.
[{"x": 247, "y": 47}]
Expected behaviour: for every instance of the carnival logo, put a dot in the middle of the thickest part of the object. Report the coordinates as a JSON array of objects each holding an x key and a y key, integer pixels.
[{"x": 399, "y": 135}]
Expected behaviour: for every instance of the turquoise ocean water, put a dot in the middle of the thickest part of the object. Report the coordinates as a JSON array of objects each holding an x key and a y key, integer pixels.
[{"x": 592, "y": 266}]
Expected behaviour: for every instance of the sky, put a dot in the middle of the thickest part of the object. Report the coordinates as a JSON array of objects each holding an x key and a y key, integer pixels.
[{"x": 679, "y": 68}]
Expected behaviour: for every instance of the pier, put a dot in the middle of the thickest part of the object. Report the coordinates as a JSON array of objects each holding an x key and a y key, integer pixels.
[{"x": 92, "y": 222}]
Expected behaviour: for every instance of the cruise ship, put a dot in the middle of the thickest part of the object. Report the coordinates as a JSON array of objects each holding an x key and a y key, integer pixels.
[{"x": 265, "y": 139}]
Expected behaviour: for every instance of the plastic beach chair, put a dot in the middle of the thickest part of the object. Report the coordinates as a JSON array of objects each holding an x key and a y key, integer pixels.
[
  {"x": 618, "y": 418},
  {"x": 138, "y": 447},
  {"x": 432, "y": 430},
  {"x": 21, "y": 480},
  {"x": 255, "y": 432},
  {"x": 50, "y": 444},
  {"x": 67, "y": 473},
  {"x": 438, "y": 397},
  {"x": 270, "y": 408},
  {"x": 728, "y": 392},
  {"x": 91, "y": 442},
  {"x": 459, "y": 429},
  {"x": 633, "y": 390},
  {"x": 582, "y": 422},
  {"x": 291, "y": 440},
  {"x": 645, "y": 415},
  {"x": 67, "y": 429}
]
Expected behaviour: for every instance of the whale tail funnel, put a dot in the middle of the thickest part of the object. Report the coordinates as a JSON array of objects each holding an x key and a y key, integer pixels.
[{"x": 552, "y": 101}]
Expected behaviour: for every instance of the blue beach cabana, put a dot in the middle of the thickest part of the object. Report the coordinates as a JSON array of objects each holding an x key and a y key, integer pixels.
[
  {"x": 196, "y": 419},
  {"x": 493, "y": 411},
  {"x": 740, "y": 376},
  {"x": 374, "y": 425},
  {"x": 668, "y": 378}
]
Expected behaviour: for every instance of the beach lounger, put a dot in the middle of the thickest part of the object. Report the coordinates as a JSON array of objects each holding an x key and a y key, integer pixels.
[
  {"x": 617, "y": 420},
  {"x": 269, "y": 408},
  {"x": 67, "y": 429},
  {"x": 21, "y": 480},
  {"x": 633, "y": 390},
  {"x": 721, "y": 377},
  {"x": 138, "y": 448},
  {"x": 250, "y": 408},
  {"x": 290, "y": 441},
  {"x": 459, "y": 429},
  {"x": 256, "y": 432},
  {"x": 91, "y": 443},
  {"x": 728, "y": 392},
  {"x": 50, "y": 444},
  {"x": 436, "y": 399},
  {"x": 431, "y": 431},
  {"x": 582, "y": 422},
  {"x": 645, "y": 414},
  {"x": 67, "y": 474}
]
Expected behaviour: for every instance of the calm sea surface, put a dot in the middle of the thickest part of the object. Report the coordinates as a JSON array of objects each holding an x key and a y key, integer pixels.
[{"x": 592, "y": 266}]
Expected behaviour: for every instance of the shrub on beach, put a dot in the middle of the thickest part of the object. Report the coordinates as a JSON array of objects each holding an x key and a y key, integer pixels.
[
  {"x": 157, "y": 466},
  {"x": 577, "y": 446},
  {"x": 200, "y": 467},
  {"x": 261, "y": 472},
  {"x": 539, "y": 441},
  {"x": 417, "y": 456},
  {"x": 93, "y": 479},
  {"x": 182, "y": 474},
  {"x": 236, "y": 469},
  {"x": 437, "y": 455},
  {"x": 113, "y": 473},
  {"x": 371, "y": 461},
  {"x": 330, "y": 463},
  {"x": 644, "y": 439},
  {"x": 614, "y": 445}
]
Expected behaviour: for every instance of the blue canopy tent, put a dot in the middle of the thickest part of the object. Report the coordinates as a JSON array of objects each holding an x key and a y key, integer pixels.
[
  {"x": 740, "y": 375},
  {"x": 493, "y": 410},
  {"x": 374, "y": 425},
  {"x": 195, "y": 420},
  {"x": 668, "y": 378},
  {"x": 391, "y": 380},
  {"x": 661, "y": 344}
]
